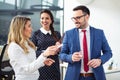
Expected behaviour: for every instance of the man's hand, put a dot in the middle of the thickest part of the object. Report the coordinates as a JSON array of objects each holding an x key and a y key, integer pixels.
[
  {"x": 94, "y": 63},
  {"x": 77, "y": 56}
]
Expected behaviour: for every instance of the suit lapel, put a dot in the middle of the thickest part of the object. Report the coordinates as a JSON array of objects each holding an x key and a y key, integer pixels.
[
  {"x": 76, "y": 40},
  {"x": 91, "y": 40}
]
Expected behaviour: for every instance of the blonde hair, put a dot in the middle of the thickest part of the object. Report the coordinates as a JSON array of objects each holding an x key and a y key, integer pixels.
[{"x": 17, "y": 27}]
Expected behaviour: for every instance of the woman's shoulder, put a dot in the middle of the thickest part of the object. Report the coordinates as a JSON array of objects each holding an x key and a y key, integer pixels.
[
  {"x": 37, "y": 32},
  {"x": 57, "y": 32},
  {"x": 14, "y": 52},
  {"x": 14, "y": 46}
]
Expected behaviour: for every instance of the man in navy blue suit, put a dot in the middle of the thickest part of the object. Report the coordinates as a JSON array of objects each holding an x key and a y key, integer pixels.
[{"x": 85, "y": 48}]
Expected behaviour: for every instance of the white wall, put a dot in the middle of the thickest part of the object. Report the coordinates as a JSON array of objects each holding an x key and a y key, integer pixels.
[{"x": 104, "y": 15}]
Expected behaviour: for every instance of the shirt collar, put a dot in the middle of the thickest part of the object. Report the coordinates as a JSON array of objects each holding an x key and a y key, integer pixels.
[
  {"x": 45, "y": 31},
  {"x": 87, "y": 29}
]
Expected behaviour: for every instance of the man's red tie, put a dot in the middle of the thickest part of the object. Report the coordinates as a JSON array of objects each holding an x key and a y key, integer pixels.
[{"x": 85, "y": 52}]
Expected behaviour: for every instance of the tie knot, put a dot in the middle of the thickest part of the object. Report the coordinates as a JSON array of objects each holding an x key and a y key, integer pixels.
[{"x": 84, "y": 31}]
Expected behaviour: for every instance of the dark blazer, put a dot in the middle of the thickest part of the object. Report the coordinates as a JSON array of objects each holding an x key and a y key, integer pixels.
[{"x": 98, "y": 44}]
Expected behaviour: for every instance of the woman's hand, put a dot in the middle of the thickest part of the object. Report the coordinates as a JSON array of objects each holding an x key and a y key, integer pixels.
[
  {"x": 52, "y": 50},
  {"x": 59, "y": 45},
  {"x": 49, "y": 62}
]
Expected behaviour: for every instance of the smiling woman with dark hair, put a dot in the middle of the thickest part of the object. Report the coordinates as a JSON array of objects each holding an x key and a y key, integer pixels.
[{"x": 43, "y": 38}]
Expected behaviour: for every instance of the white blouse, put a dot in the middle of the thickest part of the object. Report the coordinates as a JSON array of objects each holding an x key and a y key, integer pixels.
[{"x": 25, "y": 65}]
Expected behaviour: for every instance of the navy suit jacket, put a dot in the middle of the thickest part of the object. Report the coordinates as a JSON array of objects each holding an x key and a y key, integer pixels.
[{"x": 98, "y": 44}]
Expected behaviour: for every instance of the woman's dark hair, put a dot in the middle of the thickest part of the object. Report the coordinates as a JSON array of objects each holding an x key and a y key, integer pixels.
[
  {"x": 83, "y": 8},
  {"x": 51, "y": 25}
]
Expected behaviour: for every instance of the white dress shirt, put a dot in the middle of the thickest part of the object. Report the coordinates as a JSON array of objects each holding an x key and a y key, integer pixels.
[
  {"x": 25, "y": 65},
  {"x": 88, "y": 47}
]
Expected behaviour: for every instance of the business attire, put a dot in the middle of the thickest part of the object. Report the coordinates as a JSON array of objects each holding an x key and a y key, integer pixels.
[
  {"x": 24, "y": 65},
  {"x": 43, "y": 39},
  {"x": 96, "y": 43}
]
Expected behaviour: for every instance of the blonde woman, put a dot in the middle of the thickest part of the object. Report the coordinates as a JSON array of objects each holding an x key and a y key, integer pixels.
[{"x": 21, "y": 50}]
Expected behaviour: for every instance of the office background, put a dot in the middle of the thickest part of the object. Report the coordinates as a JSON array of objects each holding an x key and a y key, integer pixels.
[
  {"x": 32, "y": 8},
  {"x": 104, "y": 15}
]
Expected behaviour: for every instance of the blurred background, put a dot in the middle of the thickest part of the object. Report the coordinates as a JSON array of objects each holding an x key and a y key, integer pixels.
[
  {"x": 104, "y": 15},
  {"x": 32, "y": 8}
]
